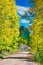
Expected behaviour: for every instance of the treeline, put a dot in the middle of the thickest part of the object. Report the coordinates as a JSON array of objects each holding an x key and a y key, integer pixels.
[
  {"x": 9, "y": 27},
  {"x": 36, "y": 35}
]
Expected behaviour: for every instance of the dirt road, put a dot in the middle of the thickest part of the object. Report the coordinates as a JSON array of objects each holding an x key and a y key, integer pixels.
[{"x": 22, "y": 58}]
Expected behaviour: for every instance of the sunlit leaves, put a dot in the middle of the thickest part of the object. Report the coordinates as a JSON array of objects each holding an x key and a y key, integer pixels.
[
  {"x": 9, "y": 25},
  {"x": 36, "y": 41}
]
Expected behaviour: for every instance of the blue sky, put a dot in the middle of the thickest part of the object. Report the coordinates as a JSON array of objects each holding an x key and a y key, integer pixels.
[
  {"x": 24, "y": 3},
  {"x": 22, "y": 6}
]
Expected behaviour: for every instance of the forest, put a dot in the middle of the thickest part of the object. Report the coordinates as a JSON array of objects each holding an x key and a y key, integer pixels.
[{"x": 12, "y": 35}]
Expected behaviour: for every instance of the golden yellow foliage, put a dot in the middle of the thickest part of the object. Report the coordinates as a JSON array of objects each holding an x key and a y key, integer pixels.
[
  {"x": 9, "y": 23},
  {"x": 37, "y": 27}
]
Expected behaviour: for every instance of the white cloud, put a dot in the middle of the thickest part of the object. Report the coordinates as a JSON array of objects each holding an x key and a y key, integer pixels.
[
  {"x": 24, "y": 21},
  {"x": 21, "y": 10}
]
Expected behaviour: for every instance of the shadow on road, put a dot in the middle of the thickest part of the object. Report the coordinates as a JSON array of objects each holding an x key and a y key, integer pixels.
[{"x": 22, "y": 58}]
